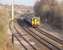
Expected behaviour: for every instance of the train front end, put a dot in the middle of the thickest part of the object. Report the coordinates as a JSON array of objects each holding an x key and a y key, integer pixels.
[{"x": 35, "y": 21}]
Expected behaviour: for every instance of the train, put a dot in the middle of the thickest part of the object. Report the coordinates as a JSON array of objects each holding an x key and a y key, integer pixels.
[{"x": 32, "y": 20}]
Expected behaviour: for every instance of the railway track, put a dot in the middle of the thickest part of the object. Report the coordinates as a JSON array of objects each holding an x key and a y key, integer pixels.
[
  {"x": 59, "y": 40},
  {"x": 37, "y": 36},
  {"x": 20, "y": 42},
  {"x": 35, "y": 39},
  {"x": 29, "y": 45},
  {"x": 50, "y": 39},
  {"x": 44, "y": 40},
  {"x": 41, "y": 39}
]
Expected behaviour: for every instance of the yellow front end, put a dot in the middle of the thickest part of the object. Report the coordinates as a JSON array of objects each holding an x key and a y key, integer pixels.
[{"x": 35, "y": 21}]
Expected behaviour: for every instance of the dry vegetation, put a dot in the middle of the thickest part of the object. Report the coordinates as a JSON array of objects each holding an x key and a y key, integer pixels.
[
  {"x": 50, "y": 10},
  {"x": 4, "y": 20}
]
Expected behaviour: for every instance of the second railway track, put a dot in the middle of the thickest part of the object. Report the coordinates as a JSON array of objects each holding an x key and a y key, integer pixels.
[
  {"x": 35, "y": 47},
  {"x": 40, "y": 39},
  {"x": 49, "y": 35},
  {"x": 37, "y": 36}
]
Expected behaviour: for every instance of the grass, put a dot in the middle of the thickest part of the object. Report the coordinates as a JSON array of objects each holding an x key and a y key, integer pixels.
[
  {"x": 4, "y": 15},
  {"x": 5, "y": 43}
]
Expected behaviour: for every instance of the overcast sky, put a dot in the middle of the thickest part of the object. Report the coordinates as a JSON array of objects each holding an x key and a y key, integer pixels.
[
  {"x": 23, "y": 2},
  {"x": 5, "y": 1}
]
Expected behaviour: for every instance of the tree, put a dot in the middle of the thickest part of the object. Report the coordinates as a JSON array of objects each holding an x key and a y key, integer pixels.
[{"x": 51, "y": 11}]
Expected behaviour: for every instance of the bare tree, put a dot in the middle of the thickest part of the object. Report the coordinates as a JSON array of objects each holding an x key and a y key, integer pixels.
[{"x": 50, "y": 10}]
